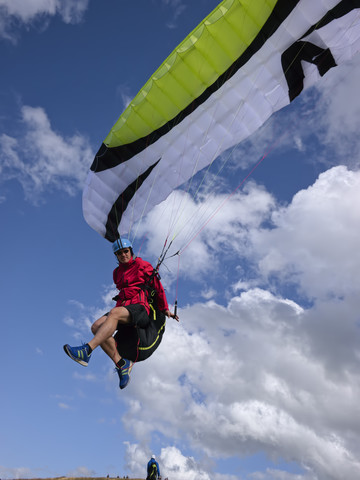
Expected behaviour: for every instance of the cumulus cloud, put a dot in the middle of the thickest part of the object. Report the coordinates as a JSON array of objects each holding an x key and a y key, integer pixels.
[
  {"x": 314, "y": 239},
  {"x": 339, "y": 120},
  {"x": 277, "y": 393},
  {"x": 200, "y": 227},
  {"x": 288, "y": 372},
  {"x": 310, "y": 243},
  {"x": 14, "y": 13},
  {"x": 328, "y": 115},
  {"x": 260, "y": 372},
  {"x": 41, "y": 159}
]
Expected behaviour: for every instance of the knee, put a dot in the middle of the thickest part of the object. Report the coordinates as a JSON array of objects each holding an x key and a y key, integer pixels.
[
  {"x": 96, "y": 325},
  {"x": 94, "y": 328},
  {"x": 120, "y": 314}
]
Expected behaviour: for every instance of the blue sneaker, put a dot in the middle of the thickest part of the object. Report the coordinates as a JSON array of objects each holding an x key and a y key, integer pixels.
[
  {"x": 79, "y": 354},
  {"x": 124, "y": 373}
]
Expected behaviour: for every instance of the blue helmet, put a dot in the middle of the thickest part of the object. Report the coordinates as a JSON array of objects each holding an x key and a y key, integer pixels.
[{"x": 121, "y": 243}]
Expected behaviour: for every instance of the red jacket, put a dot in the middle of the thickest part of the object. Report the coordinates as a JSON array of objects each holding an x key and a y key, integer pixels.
[{"x": 130, "y": 277}]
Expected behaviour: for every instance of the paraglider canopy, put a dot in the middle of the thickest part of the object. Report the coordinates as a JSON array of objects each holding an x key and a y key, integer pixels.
[{"x": 246, "y": 60}]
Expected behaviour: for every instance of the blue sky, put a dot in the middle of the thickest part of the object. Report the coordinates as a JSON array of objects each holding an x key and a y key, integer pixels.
[{"x": 260, "y": 380}]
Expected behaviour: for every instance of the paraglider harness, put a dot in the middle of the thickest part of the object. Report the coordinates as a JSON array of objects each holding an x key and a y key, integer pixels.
[
  {"x": 152, "y": 296},
  {"x": 140, "y": 343}
]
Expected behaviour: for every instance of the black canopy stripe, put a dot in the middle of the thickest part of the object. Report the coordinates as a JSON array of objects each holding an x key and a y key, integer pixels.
[
  {"x": 340, "y": 10},
  {"x": 119, "y": 207}
]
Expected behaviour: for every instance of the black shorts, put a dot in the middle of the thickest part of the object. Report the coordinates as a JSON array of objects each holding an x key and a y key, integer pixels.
[
  {"x": 141, "y": 338},
  {"x": 139, "y": 316}
]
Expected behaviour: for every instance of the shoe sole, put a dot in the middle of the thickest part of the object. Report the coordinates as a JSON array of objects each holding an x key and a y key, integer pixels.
[{"x": 77, "y": 360}]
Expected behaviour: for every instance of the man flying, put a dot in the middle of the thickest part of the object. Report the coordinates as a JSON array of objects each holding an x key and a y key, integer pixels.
[{"x": 138, "y": 325}]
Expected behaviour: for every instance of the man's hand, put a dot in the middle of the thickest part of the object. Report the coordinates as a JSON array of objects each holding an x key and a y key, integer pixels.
[{"x": 172, "y": 315}]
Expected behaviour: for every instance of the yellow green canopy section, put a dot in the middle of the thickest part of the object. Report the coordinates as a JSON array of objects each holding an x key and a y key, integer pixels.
[{"x": 200, "y": 59}]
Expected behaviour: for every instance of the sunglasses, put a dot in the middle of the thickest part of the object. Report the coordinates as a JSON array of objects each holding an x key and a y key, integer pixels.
[{"x": 125, "y": 250}]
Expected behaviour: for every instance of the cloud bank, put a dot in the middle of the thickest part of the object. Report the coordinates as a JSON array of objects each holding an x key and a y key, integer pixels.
[{"x": 256, "y": 370}]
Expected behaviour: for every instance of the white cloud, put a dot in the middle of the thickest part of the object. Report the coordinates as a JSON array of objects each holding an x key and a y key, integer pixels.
[
  {"x": 327, "y": 116},
  {"x": 246, "y": 378},
  {"x": 316, "y": 237},
  {"x": 20, "y": 472},
  {"x": 136, "y": 458},
  {"x": 124, "y": 93},
  {"x": 208, "y": 294},
  {"x": 178, "y": 7},
  {"x": 15, "y": 12},
  {"x": 178, "y": 466},
  {"x": 227, "y": 219},
  {"x": 339, "y": 122},
  {"x": 42, "y": 159}
]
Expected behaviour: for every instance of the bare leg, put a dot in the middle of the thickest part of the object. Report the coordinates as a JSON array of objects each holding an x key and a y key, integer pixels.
[
  {"x": 105, "y": 327},
  {"x": 109, "y": 345}
]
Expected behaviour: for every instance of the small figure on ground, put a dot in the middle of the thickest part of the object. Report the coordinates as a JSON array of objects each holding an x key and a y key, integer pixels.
[{"x": 153, "y": 469}]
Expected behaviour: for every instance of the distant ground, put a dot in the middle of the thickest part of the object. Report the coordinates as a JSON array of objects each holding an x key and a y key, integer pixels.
[{"x": 86, "y": 478}]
